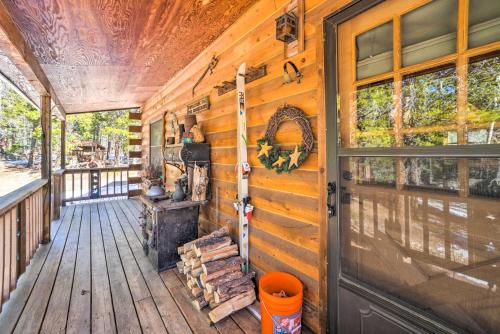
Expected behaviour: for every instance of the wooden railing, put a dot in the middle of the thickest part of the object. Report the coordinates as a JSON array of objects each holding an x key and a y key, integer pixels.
[
  {"x": 71, "y": 185},
  {"x": 21, "y": 231}
]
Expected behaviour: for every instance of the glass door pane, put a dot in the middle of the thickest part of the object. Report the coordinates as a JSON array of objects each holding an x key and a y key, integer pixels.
[
  {"x": 417, "y": 239},
  {"x": 484, "y": 22},
  {"x": 423, "y": 230},
  {"x": 374, "y": 51},
  {"x": 429, "y": 32}
]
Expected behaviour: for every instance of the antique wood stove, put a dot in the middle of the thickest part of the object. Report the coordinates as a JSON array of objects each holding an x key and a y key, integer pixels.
[{"x": 166, "y": 224}]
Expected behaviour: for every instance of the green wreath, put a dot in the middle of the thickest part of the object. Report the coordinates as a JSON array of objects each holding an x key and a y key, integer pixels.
[{"x": 271, "y": 156}]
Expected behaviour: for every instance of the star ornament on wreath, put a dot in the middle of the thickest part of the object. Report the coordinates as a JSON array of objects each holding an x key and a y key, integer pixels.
[{"x": 270, "y": 154}]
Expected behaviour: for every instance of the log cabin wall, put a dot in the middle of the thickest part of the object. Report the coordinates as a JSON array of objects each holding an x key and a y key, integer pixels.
[{"x": 288, "y": 231}]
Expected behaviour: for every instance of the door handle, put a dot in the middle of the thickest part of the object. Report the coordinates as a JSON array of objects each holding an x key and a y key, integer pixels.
[{"x": 332, "y": 209}]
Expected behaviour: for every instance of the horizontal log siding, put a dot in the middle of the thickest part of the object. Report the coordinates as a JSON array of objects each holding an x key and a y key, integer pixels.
[{"x": 287, "y": 227}]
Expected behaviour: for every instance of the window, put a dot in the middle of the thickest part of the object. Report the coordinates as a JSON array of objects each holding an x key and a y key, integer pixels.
[
  {"x": 429, "y": 32},
  {"x": 374, "y": 51},
  {"x": 155, "y": 145},
  {"x": 417, "y": 77},
  {"x": 484, "y": 22}
]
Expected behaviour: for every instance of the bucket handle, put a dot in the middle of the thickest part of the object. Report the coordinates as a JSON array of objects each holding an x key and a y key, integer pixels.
[{"x": 276, "y": 323}]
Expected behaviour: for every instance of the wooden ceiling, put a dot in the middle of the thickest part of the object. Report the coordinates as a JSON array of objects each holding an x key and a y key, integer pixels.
[{"x": 111, "y": 54}]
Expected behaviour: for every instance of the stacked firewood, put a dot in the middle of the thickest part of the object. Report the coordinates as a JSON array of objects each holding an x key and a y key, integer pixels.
[{"x": 214, "y": 277}]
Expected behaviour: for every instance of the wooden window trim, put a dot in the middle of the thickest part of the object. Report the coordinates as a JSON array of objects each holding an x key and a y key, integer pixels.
[{"x": 459, "y": 59}]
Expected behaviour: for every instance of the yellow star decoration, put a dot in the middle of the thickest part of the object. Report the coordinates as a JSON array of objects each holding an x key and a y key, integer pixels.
[
  {"x": 264, "y": 149},
  {"x": 279, "y": 162},
  {"x": 294, "y": 158}
]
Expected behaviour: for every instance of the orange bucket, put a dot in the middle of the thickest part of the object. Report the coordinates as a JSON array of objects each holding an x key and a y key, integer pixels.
[{"x": 280, "y": 314}]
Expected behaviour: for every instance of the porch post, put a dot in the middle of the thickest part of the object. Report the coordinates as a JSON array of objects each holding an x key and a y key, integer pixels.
[
  {"x": 63, "y": 144},
  {"x": 46, "y": 164}
]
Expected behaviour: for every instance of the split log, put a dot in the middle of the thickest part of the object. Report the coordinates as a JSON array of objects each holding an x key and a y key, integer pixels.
[
  {"x": 223, "y": 231},
  {"x": 203, "y": 279},
  {"x": 232, "y": 305},
  {"x": 195, "y": 262},
  {"x": 211, "y": 267},
  {"x": 187, "y": 269},
  {"x": 221, "y": 273},
  {"x": 223, "y": 288},
  {"x": 221, "y": 253},
  {"x": 189, "y": 280},
  {"x": 196, "y": 272},
  {"x": 200, "y": 175},
  {"x": 197, "y": 282},
  {"x": 233, "y": 292},
  {"x": 196, "y": 291},
  {"x": 190, "y": 254},
  {"x": 212, "y": 285},
  {"x": 207, "y": 295},
  {"x": 180, "y": 250},
  {"x": 200, "y": 303},
  {"x": 211, "y": 244},
  {"x": 180, "y": 266},
  {"x": 213, "y": 304}
]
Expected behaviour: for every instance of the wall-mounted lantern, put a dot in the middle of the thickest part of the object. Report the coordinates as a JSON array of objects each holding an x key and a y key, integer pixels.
[{"x": 286, "y": 27}]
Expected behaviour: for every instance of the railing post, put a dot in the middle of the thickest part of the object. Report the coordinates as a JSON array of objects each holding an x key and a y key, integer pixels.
[
  {"x": 46, "y": 164},
  {"x": 57, "y": 189},
  {"x": 63, "y": 144},
  {"x": 21, "y": 237}
]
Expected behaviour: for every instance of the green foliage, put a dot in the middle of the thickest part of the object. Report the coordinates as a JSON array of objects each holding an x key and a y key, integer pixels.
[
  {"x": 382, "y": 171},
  {"x": 483, "y": 91},
  {"x": 110, "y": 127},
  {"x": 374, "y": 106},
  {"x": 275, "y": 152},
  {"x": 430, "y": 99},
  {"x": 19, "y": 123}
]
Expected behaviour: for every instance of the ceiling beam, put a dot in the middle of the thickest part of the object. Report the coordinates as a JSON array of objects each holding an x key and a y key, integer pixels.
[
  {"x": 102, "y": 110},
  {"x": 16, "y": 38}
]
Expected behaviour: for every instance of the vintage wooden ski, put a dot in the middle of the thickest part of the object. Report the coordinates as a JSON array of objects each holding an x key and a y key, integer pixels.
[{"x": 243, "y": 168}]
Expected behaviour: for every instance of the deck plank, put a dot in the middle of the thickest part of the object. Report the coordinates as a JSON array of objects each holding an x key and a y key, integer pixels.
[
  {"x": 147, "y": 312},
  {"x": 57, "y": 310},
  {"x": 79, "y": 316},
  {"x": 33, "y": 313},
  {"x": 246, "y": 321},
  {"x": 14, "y": 307},
  {"x": 225, "y": 326},
  {"x": 97, "y": 248},
  {"x": 228, "y": 325},
  {"x": 123, "y": 305},
  {"x": 103, "y": 317},
  {"x": 133, "y": 214},
  {"x": 198, "y": 322},
  {"x": 170, "y": 313}
]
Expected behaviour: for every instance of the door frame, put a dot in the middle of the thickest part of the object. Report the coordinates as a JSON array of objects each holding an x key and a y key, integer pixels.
[{"x": 335, "y": 279}]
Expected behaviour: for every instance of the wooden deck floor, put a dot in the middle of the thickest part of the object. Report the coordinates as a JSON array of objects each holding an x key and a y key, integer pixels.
[{"x": 94, "y": 277}]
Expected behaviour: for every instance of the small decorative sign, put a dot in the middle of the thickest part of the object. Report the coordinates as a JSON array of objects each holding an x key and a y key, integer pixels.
[{"x": 198, "y": 106}]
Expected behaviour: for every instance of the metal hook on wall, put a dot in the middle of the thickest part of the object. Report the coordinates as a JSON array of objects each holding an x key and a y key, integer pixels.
[{"x": 286, "y": 76}]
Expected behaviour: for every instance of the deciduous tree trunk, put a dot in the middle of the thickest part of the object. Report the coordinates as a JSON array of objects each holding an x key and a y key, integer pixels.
[{"x": 31, "y": 153}]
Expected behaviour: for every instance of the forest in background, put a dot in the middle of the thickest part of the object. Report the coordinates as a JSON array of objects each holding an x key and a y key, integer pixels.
[{"x": 20, "y": 132}]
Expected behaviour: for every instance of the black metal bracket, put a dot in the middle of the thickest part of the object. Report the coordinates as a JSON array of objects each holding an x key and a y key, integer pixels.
[{"x": 332, "y": 209}]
